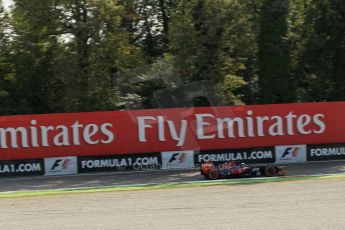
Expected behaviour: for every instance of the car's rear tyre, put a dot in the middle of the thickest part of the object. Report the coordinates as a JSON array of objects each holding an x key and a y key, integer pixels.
[
  {"x": 205, "y": 175},
  {"x": 270, "y": 171},
  {"x": 213, "y": 175}
]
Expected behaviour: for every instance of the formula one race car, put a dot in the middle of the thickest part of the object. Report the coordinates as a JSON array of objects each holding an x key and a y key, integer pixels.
[{"x": 231, "y": 169}]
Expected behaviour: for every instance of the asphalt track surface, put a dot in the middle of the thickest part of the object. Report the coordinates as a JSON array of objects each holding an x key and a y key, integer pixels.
[
  {"x": 133, "y": 178},
  {"x": 306, "y": 204}
]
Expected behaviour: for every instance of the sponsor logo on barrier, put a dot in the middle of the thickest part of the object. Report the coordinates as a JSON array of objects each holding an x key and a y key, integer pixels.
[
  {"x": 178, "y": 160},
  {"x": 119, "y": 162},
  {"x": 255, "y": 155},
  {"x": 326, "y": 152},
  {"x": 291, "y": 153},
  {"x": 60, "y": 166},
  {"x": 207, "y": 128},
  {"x": 21, "y": 168}
]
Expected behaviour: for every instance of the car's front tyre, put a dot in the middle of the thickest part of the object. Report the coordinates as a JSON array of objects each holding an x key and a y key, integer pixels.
[
  {"x": 270, "y": 171},
  {"x": 282, "y": 171}
]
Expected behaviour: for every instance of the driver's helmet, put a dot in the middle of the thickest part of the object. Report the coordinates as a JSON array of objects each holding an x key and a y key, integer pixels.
[
  {"x": 232, "y": 164},
  {"x": 243, "y": 165}
]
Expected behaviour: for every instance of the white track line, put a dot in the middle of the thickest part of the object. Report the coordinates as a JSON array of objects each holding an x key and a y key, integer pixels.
[{"x": 153, "y": 184}]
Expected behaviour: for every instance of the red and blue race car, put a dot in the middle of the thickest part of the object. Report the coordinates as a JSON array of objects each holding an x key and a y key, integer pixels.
[{"x": 213, "y": 170}]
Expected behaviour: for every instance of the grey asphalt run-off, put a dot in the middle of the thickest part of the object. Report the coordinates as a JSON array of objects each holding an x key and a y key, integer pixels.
[{"x": 148, "y": 177}]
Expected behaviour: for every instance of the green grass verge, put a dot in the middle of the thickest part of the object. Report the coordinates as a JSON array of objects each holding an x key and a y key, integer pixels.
[{"x": 247, "y": 181}]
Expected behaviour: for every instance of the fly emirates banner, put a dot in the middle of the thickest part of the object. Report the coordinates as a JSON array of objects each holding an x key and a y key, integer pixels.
[{"x": 147, "y": 131}]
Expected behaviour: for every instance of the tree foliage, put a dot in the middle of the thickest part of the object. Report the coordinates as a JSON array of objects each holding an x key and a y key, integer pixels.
[
  {"x": 323, "y": 57},
  {"x": 91, "y": 55},
  {"x": 6, "y": 78}
]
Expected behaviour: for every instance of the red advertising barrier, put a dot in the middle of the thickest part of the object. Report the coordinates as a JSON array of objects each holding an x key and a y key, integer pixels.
[{"x": 146, "y": 131}]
